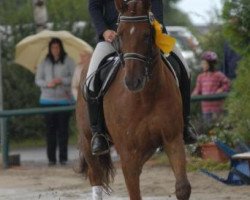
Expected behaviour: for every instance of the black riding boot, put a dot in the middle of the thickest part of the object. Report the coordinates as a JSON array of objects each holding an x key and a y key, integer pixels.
[
  {"x": 99, "y": 142},
  {"x": 189, "y": 134}
]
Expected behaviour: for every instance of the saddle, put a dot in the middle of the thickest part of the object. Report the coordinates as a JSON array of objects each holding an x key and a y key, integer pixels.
[
  {"x": 108, "y": 68},
  {"x": 103, "y": 77}
]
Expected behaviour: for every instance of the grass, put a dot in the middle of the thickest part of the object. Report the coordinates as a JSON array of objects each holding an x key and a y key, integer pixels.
[
  {"x": 27, "y": 143},
  {"x": 193, "y": 163},
  {"x": 40, "y": 141},
  {"x": 37, "y": 142}
]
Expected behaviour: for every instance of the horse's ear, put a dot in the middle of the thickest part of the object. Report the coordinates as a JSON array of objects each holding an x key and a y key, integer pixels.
[
  {"x": 147, "y": 4},
  {"x": 121, "y": 5}
]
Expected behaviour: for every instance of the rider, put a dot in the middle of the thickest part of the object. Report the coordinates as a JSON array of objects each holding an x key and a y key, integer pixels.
[{"x": 104, "y": 16}]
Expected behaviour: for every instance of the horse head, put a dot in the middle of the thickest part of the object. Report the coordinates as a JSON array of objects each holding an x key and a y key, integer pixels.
[{"x": 136, "y": 38}]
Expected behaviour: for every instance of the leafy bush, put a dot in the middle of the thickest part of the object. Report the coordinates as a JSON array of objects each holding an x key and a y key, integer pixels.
[
  {"x": 238, "y": 102},
  {"x": 20, "y": 92},
  {"x": 237, "y": 30},
  {"x": 237, "y": 24}
]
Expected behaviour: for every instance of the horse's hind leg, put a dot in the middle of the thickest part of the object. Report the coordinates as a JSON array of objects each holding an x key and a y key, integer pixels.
[
  {"x": 132, "y": 170},
  {"x": 177, "y": 158}
]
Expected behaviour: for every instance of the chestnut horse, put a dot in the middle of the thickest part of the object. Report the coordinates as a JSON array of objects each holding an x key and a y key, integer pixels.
[{"x": 143, "y": 109}]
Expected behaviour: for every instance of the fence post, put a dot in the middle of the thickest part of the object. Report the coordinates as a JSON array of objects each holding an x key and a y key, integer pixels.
[{"x": 5, "y": 143}]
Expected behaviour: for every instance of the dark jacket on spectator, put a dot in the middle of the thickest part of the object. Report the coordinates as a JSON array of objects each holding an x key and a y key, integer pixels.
[
  {"x": 104, "y": 14},
  {"x": 231, "y": 59}
]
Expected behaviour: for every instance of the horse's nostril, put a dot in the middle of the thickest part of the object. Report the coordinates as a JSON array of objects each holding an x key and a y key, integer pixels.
[{"x": 138, "y": 83}]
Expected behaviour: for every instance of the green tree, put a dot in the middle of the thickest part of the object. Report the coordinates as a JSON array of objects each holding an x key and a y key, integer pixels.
[
  {"x": 214, "y": 40},
  {"x": 173, "y": 16},
  {"x": 237, "y": 31},
  {"x": 18, "y": 84},
  {"x": 67, "y": 13},
  {"x": 237, "y": 24}
]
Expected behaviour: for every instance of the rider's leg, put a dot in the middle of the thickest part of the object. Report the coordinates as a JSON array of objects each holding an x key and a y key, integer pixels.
[
  {"x": 102, "y": 49},
  {"x": 189, "y": 134},
  {"x": 99, "y": 143}
]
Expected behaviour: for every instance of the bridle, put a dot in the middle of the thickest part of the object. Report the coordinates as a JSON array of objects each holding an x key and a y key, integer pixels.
[{"x": 148, "y": 59}]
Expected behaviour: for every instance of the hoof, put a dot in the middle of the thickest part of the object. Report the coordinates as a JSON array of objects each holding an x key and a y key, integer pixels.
[{"x": 183, "y": 190}]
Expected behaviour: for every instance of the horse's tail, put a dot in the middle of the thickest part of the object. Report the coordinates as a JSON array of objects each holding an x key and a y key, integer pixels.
[
  {"x": 108, "y": 170},
  {"x": 82, "y": 167},
  {"x": 102, "y": 165}
]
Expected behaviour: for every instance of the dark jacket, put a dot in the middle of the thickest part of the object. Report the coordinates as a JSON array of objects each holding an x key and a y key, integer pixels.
[
  {"x": 231, "y": 59},
  {"x": 104, "y": 14}
]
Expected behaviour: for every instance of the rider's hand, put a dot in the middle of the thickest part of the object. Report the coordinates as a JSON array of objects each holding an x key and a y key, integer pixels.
[{"x": 109, "y": 35}]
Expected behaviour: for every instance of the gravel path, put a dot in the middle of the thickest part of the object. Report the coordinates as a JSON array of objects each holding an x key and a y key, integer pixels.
[{"x": 34, "y": 180}]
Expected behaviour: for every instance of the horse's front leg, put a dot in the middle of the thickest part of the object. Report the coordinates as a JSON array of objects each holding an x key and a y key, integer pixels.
[
  {"x": 132, "y": 171},
  {"x": 177, "y": 158},
  {"x": 95, "y": 182}
]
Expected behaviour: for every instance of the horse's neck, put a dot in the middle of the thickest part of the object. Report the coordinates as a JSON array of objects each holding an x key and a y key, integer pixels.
[{"x": 159, "y": 77}]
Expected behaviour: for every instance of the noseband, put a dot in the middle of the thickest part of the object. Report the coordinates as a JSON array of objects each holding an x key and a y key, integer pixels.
[{"x": 136, "y": 56}]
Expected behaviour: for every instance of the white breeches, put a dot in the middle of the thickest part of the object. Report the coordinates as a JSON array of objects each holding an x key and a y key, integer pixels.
[{"x": 101, "y": 51}]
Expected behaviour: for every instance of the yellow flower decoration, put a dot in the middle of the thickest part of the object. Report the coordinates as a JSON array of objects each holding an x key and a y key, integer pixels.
[{"x": 164, "y": 41}]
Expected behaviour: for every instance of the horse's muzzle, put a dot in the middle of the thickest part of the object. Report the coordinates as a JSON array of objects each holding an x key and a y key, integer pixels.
[{"x": 135, "y": 84}]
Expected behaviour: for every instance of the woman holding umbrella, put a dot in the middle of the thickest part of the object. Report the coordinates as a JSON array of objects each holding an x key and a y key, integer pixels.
[{"x": 54, "y": 77}]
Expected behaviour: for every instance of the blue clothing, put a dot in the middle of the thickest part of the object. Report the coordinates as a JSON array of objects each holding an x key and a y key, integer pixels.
[
  {"x": 231, "y": 59},
  {"x": 63, "y": 102},
  {"x": 104, "y": 14}
]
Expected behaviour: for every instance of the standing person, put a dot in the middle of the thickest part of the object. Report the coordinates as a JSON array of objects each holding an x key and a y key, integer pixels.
[
  {"x": 104, "y": 17},
  {"x": 84, "y": 62},
  {"x": 210, "y": 81},
  {"x": 231, "y": 60},
  {"x": 54, "y": 76}
]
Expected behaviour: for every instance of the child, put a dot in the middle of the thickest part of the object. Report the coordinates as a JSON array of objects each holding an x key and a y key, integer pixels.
[
  {"x": 84, "y": 62},
  {"x": 210, "y": 81}
]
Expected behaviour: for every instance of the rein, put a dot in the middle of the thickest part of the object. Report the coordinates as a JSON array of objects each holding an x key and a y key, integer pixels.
[{"x": 136, "y": 56}]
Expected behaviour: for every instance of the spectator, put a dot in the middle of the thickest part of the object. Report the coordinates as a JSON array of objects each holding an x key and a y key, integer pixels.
[
  {"x": 231, "y": 59},
  {"x": 54, "y": 76},
  {"x": 211, "y": 81},
  {"x": 84, "y": 62}
]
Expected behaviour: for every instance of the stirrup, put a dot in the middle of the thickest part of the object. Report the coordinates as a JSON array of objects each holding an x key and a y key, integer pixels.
[{"x": 106, "y": 138}]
